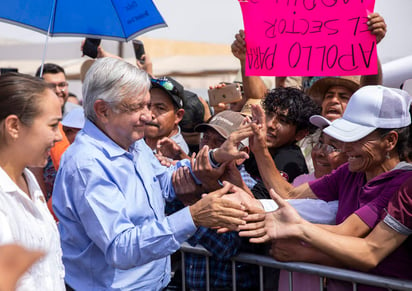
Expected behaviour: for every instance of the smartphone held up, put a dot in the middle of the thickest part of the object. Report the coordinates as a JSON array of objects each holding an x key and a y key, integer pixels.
[
  {"x": 229, "y": 93},
  {"x": 90, "y": 47},
  {"x": 138, "y": 50}
]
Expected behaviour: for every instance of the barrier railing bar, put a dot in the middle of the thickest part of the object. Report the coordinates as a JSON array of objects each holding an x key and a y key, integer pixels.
[
  {"x": 329, "y": 272},
  {"x": 261, "y": 284},
  {"x": 183, "y": 271},
  {"x": 207, "y": 274},
  {"x": 321, "y": 283},
  {"x": 320, "y": 270}
]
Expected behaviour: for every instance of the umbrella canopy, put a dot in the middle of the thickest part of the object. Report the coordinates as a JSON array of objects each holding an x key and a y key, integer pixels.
[{"x": 108, "y": 19}]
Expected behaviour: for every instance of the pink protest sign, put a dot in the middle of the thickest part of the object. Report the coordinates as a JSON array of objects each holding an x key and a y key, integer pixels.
[{"x": 308, "y": 37}]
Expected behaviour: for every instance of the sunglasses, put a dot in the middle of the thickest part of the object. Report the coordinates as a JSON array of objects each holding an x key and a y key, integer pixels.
[{"x": 166, "y": 84}]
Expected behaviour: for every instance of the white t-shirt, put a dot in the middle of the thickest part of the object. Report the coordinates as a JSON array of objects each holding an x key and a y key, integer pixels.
[
  {"x": 28, "y": 222},
  {"x": 313, "y": 210}
]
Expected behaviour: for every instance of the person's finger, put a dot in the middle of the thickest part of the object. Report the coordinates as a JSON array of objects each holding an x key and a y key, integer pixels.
[
  {"x": 373, "y": 27},
  {"x": 187, "y": 177},
  {"x": 222, "y": 191},
  {"x": 255, "y": 228},
  {"x": 242, "y": 33},
  {"x": 202, "y": 160},
  {"x": 222, "y": 106},
  {"x": 193, "y": 161},
  {"x": 242, "y": 155},
  {"x": 255, "y": 217},
  {"x": 222, "y": 230},
  {"x": 197, "y": 162},
  {"x": 175, "y": 178},
  {"x": 230, "y": 221},
  {"x": 258, "y": 114},
  {"x": 240, "y": 38},
  {"x": 276, "y": 197},
  {"x": 259, "y": 240},
  {"x": 253, "y": 232}
]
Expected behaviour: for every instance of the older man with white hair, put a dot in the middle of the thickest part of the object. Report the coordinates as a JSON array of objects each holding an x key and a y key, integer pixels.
[{"x": 110, "y": 191}]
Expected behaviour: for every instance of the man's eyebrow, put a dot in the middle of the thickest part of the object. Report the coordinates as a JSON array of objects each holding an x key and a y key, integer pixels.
[{"x": 281, "y": 114}]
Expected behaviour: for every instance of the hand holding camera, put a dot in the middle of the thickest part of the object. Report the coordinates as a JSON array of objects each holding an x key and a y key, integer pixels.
[{"x": 230, "y": 93}]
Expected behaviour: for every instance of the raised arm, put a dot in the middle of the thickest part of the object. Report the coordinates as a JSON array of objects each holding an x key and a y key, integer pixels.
[
  {"x": 267, "y": 168},
  {"x": 360, "y": 253},
  {"x": 253, "y": 86},
  {"x": 377, "y": 26}
]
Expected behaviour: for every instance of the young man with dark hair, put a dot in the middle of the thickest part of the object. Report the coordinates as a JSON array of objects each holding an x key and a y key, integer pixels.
[
  {"x": 55, "y": 75},
  {"x": 287, "y": 119}
]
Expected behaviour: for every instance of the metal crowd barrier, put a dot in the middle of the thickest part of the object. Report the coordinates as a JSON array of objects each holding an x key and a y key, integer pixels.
[{"x": 322, "y": 271}]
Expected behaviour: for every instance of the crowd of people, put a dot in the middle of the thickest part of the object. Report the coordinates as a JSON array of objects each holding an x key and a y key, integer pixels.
[{"x": 100, "y": 194}]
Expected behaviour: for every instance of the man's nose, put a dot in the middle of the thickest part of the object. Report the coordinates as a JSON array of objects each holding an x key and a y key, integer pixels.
[
  {"x": 272, "y": 123},
  {"x": 146, "y": 115}
]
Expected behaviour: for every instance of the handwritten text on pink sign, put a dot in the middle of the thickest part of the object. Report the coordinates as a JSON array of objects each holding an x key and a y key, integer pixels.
[{"x": 308, "y": 38}]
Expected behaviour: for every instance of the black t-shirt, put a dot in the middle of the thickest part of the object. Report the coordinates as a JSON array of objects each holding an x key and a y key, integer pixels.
[{"x": 290, "y": 162}]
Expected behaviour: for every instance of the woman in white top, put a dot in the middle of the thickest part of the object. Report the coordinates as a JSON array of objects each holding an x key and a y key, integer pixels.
[{"x": 29, "y": 116}]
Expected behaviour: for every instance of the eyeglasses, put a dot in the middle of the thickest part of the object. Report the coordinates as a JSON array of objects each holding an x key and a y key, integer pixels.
[
  {"x": 327, "y": 148},
  {"x": 62, "y": 85}
]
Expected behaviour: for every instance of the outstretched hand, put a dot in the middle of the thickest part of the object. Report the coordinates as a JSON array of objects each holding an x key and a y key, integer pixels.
[
  {"x": 214, "y": 211},
  {"x": 229, "y": 150},
  {"x": 186, "y": 189},
  {"x": 258, "y": 142},
  {"x": 169, "y": 148},
  {"x": 282, "y": 223},
  {"x": 202, "y": 169}
]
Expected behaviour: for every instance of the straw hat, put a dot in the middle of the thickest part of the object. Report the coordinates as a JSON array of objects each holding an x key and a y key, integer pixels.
[
  {"x": 320, "y": 87},
  {"x": 246, "y": 109}
]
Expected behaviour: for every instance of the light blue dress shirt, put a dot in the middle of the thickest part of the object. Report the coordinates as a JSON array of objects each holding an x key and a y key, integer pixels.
[{"x": 110, "y": 204}]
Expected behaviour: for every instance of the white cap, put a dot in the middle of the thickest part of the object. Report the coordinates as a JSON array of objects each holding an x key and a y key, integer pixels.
[
  {"x": 74, "y": 118},
  {"x": 369, "y": 108},
  {"x": 319, "y": 121}
]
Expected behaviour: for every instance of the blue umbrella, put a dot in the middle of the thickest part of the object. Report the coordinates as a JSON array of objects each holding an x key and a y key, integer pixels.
[{"x": 107, "y": 19}]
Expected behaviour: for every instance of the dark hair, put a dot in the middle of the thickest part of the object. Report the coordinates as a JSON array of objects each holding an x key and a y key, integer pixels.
[
  {"x": 194, "y": 112},
  {"x": 19, "y": 94},
  {"x": 50, "y": 68},
  {"x": 300, "y": 106},
  {"x": 403, "y": 144}
]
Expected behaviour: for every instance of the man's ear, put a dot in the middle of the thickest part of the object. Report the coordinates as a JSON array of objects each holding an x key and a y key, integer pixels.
[
  {"x": 179, "y": 115},
  {"x": 301, "y": 134},
  {"x": 102, "y": 110}
]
